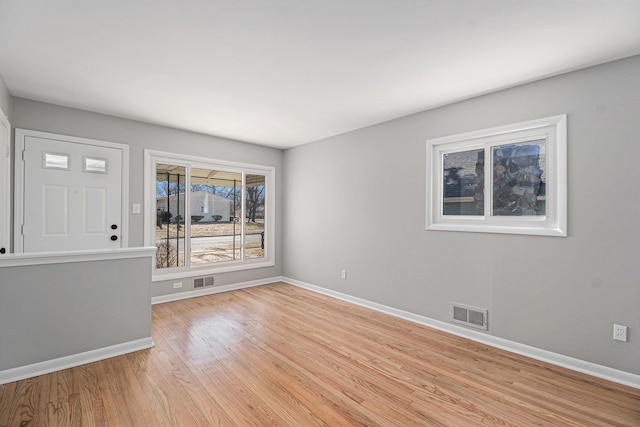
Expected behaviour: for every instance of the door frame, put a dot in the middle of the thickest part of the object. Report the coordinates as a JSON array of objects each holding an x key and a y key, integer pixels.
[
  {"x": 5, "y": 184},
  {"x": 18, "y": 206}
]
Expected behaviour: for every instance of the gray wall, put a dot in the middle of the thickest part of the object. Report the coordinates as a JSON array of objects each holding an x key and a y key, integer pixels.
[
  {"x": 56, "y": 310},
  {"x": 52, "y": 118},
  {"x": 6, "y": 101},
  {"x": 558, "y": 294}
]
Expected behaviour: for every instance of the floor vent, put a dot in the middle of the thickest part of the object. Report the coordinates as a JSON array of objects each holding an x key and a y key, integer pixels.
[
  {"x": 201, "y": 282},
  {"x": 470, "y": 316}
]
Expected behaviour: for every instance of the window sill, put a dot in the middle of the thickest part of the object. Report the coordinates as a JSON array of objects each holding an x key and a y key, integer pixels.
[
  {"x": 500, "y": 229},
  {"x": 206, "y": 270}
]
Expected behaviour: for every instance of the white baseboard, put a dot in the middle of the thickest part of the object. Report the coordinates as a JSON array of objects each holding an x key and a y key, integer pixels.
[
  {"x": 48, "y": 366},
  {"x": 615, "y": 375},
  {"x": 213, "y": 290}
]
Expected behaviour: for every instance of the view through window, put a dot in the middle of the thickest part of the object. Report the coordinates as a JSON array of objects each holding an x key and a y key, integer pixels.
[
  {"x": 518, "y": 180},
  {"x": 208, "y": 216}
]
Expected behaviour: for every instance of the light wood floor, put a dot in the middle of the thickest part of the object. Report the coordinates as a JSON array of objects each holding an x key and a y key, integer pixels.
[{"x": 280, "y": 355}]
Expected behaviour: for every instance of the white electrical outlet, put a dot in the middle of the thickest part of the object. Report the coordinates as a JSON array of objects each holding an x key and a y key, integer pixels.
[
  {"x": 619, "y": 332},
  {"x": 343, "y": 274},
  {"x": 177, "y": 285}
]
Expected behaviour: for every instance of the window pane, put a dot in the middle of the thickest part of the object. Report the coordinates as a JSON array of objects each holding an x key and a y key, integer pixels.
[
  {"x": 95, "y": 165},
  {"x": 254, "y": 229},
  {"x": 463, "y": 183},
  {"x": 519, "y": 179},
  {"x": 55, "y": 161},
  {"x": 215, "y": 212},
  {"x": 170, "y": 209}
]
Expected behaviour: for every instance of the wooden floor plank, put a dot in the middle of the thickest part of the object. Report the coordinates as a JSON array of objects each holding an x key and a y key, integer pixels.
[{"x": 283, "y": 356}]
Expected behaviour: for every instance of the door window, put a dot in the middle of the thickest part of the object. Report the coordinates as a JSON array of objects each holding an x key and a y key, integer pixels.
[{"x": 55, "y": 161}]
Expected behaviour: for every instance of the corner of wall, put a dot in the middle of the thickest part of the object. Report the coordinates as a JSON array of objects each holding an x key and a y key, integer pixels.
[{"x": 6, "y": 100}]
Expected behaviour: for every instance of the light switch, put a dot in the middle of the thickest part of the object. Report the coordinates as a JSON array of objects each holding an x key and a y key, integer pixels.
[{"x": 136, "y": 208}]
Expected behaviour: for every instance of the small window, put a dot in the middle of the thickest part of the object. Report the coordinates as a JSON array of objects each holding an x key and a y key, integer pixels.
[
  {"x": 55, "y": 161},
  {"x": 509, "y": 179},
  {"x": 95, "y": 165}
]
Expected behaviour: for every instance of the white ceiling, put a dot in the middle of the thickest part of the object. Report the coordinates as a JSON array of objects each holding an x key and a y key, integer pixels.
[{"x": 286, "y": 72}]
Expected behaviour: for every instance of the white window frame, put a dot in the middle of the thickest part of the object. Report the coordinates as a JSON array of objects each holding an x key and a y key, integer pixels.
[
  {"x": 154, "y": 157},
  {"x": 5, "y": 183},
  {"x": 553, "y": 223}
]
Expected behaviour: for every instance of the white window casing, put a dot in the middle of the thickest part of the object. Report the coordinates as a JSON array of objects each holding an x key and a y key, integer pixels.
[
  {"x": 152, "y": 158},
  {"x": 550, "y": 134}
]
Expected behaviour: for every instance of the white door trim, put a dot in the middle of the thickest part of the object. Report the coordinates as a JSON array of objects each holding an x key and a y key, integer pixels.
[
  {"x": 5, "y": 184},
  {"x": 18, "y": 206}
]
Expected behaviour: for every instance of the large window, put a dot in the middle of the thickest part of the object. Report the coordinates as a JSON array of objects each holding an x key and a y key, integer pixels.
[
  {"x": 207, "y": 215},
  {"x": 509, "y": 179}
]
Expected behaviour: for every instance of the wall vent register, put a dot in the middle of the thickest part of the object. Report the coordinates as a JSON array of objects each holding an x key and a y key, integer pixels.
[
  {"x": 201, "y": 282},
  {"x": 469, "y": 316}
]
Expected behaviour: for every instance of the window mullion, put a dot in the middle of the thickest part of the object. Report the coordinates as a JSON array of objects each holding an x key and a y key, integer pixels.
[
  {"x": 440, "y": 185},
  {"x": 488, "y": 183},
  {"x": 187, "y": 218},
  {"x": 243, "y": 202}
]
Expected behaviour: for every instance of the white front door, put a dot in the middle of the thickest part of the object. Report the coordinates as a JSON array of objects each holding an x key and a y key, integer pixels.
[{"x": 72, "y": 195}]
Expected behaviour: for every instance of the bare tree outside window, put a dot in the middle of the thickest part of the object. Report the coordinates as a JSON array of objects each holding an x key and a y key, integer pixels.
[{"x": 255, "y": 200}]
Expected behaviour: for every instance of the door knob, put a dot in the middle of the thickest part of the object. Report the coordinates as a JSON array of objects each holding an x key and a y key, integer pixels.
[
  {"x": 2, "y": 250},
  {"x": 114, "y": 227},
  {"x": 114, "y": 237}
]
